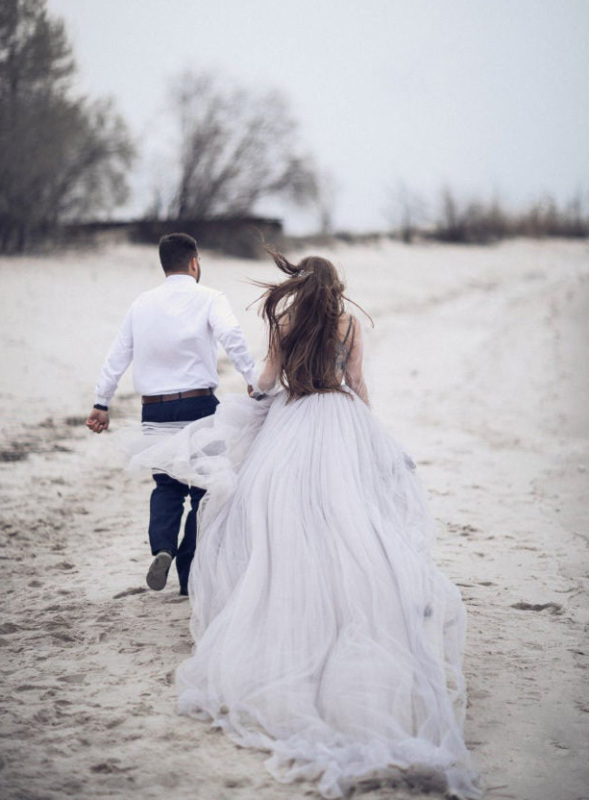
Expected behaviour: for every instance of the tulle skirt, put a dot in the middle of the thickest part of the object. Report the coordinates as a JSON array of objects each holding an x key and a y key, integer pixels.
[{"x": 324, "y": 632}]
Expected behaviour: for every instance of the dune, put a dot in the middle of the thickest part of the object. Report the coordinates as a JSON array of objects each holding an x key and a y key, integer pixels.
[{"x": 478, "y": 363}]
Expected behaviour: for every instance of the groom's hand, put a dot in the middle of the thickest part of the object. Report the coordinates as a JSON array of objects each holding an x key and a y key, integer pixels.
[{"x": 97, "y": 420}]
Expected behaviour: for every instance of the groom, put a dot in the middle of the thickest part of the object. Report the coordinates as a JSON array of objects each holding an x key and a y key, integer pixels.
[{"x": 171, "y": 334}]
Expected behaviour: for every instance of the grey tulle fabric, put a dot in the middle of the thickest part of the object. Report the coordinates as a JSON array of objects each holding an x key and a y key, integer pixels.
[{"x": 325, "y": 634}]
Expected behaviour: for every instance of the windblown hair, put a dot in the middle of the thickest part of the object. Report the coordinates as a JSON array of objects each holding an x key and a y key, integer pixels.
[{"x": 303, "y": 315}]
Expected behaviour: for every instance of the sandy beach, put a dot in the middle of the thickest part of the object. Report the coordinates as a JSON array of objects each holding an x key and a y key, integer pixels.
[{"x": 478, "y": 364}]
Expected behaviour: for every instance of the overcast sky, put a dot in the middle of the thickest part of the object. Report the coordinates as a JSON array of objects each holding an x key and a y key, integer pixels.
[{"x": 489, "y": 97}]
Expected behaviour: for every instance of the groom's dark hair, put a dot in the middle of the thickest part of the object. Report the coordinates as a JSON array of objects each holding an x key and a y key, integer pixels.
[{"x": 176, "y": 251}]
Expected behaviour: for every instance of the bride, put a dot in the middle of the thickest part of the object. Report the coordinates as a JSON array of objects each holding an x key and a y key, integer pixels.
[{"x": 325, "y": 635}]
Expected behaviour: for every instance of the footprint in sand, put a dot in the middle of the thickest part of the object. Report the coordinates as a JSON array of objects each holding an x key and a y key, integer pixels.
[
  {"x": 9, "y": 627},
  {"x": 555, "y": 608},
  {"x": 236, "y": 783},
  {"x": 128, "y": 592},
  {"x": 109, "y": 767},
  {"x": 75, "y": 678}
]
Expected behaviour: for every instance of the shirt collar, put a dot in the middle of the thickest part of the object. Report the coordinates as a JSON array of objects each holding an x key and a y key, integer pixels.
[{"x": 178, "y": 278}]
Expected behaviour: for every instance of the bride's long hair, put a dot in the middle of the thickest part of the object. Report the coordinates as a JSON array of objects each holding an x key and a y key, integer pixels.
[{"x": 303, "y": 315}]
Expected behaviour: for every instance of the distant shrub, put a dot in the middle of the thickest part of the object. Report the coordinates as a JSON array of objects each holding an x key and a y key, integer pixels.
[
  {"x": 477, "y": 222},
  {"x": 242, "y": 237},
  {"x": 545, "y": 218}
]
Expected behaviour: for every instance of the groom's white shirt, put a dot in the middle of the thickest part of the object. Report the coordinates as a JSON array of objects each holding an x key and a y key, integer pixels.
[{"x": 171, "y": 334}]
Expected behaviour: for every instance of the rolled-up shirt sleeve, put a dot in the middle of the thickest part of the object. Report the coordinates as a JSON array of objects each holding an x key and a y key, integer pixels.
[
  {"x": 118, "y": 359},
  {"x": 228, "y": 333}
]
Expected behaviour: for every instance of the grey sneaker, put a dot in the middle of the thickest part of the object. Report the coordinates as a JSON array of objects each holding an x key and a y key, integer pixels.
[{"x": 157, "y": 574}]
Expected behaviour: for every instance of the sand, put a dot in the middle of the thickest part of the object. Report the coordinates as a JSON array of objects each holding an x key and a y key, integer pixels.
[{"x": 478, "y": 363}]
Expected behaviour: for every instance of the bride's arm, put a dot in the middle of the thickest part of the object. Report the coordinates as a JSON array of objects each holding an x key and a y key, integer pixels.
[
  {"x": 354, "y": 377},
  {"x": 271, "y": 371},
  {"x": 269, "y": 374}
]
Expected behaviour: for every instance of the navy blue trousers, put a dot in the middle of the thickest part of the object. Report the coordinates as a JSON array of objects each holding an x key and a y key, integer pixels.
[{"x": 167, "y": 499}]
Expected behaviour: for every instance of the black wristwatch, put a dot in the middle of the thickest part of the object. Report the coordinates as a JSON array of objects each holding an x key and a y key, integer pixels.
[{"x": 100, "y": 408}]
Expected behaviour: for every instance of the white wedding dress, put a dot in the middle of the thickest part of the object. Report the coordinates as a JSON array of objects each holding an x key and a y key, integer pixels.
[{"x": 325, "y": 635}]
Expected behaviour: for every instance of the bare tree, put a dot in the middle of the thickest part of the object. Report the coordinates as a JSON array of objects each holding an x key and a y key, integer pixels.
[
  {"x": 325, "y": 199},
  {"x": 405, "y": 210},
  {"x": 236, "y": 148},
  {"x": 61, "y": 157}
]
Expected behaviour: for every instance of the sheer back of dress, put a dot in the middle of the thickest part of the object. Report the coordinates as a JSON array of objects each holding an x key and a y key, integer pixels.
[
  {"x": 348, "y": 364},
  {"x": 342, "y": 351}
]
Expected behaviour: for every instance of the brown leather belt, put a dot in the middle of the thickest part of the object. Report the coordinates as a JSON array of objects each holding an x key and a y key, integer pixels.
[{"x": 164, "y": 398}]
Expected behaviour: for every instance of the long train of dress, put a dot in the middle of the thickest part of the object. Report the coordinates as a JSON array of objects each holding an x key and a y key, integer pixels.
[{"x": 324, "y": 632}]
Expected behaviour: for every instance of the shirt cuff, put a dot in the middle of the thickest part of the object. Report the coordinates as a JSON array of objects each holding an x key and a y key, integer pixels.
[
  {"x": 102, "y": 400},
  {"x": 251, "y": 377}
]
